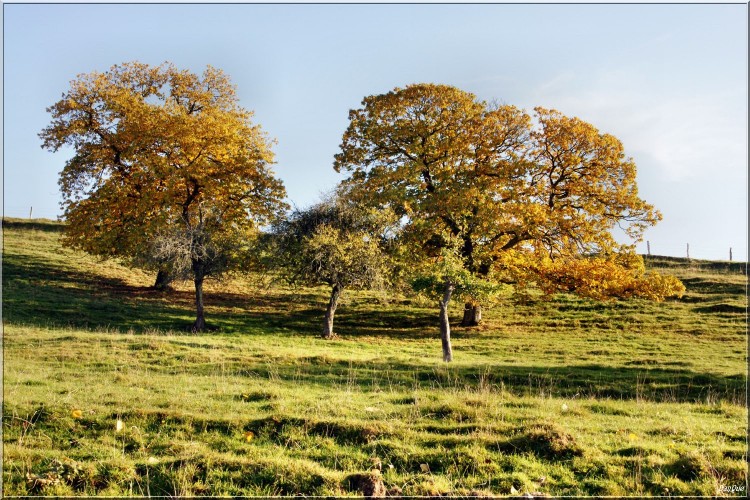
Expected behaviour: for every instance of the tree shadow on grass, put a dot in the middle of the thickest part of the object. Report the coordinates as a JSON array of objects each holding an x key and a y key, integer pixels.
[
  {"x": 580, "y": 381},
  {"x": 712, "y": 287},
  {"x": 302, "y": 312},
  {"x": 405, "y": 325},
  {"x": 45, "y": 225},
  {"x": 36, "y": 293}
]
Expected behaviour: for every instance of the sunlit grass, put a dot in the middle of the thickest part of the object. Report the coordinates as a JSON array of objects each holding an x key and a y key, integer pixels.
[{"x": 563, "y": 397}]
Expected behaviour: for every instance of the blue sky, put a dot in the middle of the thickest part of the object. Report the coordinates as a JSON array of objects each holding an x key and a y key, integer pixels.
[{"x": 669, "y": 80}]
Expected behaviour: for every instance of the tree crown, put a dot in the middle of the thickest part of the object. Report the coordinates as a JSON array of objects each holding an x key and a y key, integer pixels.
[
  {"x": 157, "y": 146},
  {"x": 505, "y": 185},
  {"x": 334, "y": 242}
]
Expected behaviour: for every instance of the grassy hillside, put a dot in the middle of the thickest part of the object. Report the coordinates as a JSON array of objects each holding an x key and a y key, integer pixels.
[{"x": 106, "y": 394}]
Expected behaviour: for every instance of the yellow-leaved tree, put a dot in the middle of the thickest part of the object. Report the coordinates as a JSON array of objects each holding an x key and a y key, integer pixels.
[
  {"x": 168, "y": 170},
  {"x": 516, "y": 199}
]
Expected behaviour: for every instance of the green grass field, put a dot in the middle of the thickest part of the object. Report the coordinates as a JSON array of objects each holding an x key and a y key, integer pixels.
[{"x": 560, "y": 397}]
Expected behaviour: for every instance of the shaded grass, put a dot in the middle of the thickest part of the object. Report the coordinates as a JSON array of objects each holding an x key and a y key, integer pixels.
[{"x": 564, "y": 397}]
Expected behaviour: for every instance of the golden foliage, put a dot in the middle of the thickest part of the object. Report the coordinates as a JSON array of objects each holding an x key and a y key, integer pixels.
[
  {"x": 621, "y": 275},
  {"x": 154, "y": 147},
  {"x": 521, "y": 196}
]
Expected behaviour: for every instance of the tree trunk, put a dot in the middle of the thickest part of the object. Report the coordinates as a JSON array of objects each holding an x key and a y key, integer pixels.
[
  {"x": 445, "y": 326},
  {"x": 472, "y": 314},
  {"x": 163, "y": 280},
  {"x": 331, "y": 311},
  {"x": 200, "y": 321}
]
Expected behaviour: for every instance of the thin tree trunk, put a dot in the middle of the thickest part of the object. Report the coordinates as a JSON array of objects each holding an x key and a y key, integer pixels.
[
  {"x": 445, "y": 326},
  {"x": 163, "y": 280},
  {"x": 472, "y": 314},
  {"x": 331, "y": 311},
  {"x": 200, "y": 321}
]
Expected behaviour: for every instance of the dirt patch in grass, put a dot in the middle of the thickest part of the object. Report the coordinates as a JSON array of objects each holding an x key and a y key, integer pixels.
[
  {"x": 722, "y": 308},
  {"x": 633, "y": 451},
  {"x": 370, "y": 485},
  {"x": 548, "y": 441},
  {"x": 273, "y": 426},
  {"x": 735, "y": 454},
  {"x": 691, "y": 466},
  {"x": 694, "y": 465},
  {"x": 346, "y": 433},
  {"x": 257, "y": 396},
  {"x": 458, "y": 413},
  {"x": 737, "y": 438},
  {"x": 449, "y": 429},
  {"x": 603, "y": 409},
  {"x": 409, "y": 400}
]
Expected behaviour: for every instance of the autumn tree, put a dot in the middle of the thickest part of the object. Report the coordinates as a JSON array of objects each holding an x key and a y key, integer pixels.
[
  {"x": 335, "y": 243},
  {"x": 529, "y": 201},
  {"x": 162, "y": 154}
]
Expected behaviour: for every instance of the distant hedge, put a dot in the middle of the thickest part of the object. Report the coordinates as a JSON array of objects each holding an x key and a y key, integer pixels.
[
  {"x": 37, "y": 224},
  {"x": 712, "y": 265}
]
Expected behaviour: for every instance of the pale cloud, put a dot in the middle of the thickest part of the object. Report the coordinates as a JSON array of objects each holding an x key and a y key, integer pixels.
[
  {"x": 691, "y": 139},
  {"x": 689, "y": 142},
  {"x": 559, "y": 81},
  {"x": 685, "y": 135}
]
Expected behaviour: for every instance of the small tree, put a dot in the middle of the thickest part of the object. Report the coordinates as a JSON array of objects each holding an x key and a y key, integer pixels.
[
  {"x": 336, "y": 243},
  {"x": 162, "y": 153},
  {"x": 198, "y": 250},
  {"x": 444, "y": 277}
]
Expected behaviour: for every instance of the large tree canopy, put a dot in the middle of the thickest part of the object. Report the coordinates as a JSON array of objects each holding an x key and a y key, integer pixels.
[
  {"x": 161, "y": 151},
  {"x": 525, "y": 200}
]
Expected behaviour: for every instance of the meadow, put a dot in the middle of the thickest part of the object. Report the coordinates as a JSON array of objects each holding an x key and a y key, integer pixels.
[{"x": 105, "y": 392}]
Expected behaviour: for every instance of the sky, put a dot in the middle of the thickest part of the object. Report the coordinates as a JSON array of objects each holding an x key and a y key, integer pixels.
[{"x": 670, "y": 81}]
